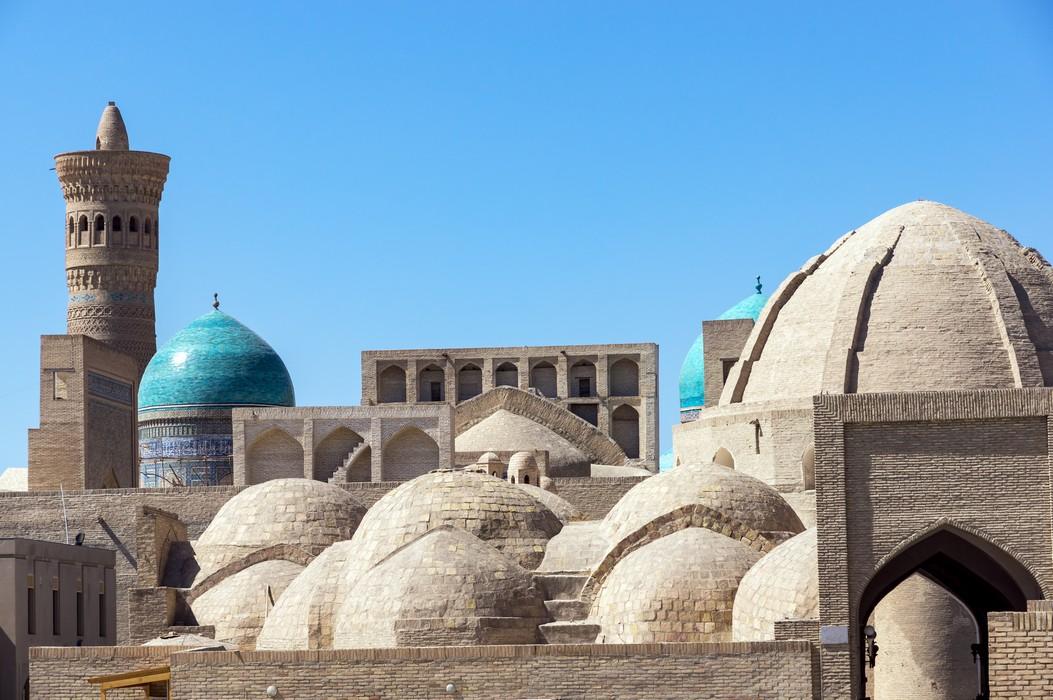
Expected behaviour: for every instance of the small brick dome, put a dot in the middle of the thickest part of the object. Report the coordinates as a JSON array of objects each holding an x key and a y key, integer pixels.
[
  {"x": 238, "y": 605},
  {"x": 679, "y": 588},
  {"x": 445, "y": 588},
  {"x": 307, "y": 514},
  {"x": 784, "y": 585},
  {"x": 500, "y": 513},
  {"x": 303, "y": 617},
  {"x": 734, "y": 495}
]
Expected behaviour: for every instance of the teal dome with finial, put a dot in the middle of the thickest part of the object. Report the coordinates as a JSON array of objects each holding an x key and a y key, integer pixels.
[
  {"x": 215, "y": 362},
  {"x": 693, "y": 370}
]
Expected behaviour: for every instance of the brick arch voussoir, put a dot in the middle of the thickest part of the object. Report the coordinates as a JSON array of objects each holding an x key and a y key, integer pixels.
[
  {"x": 600, "y": 448},
  {"x": 285, "y": 552},
  {"x": 694, "y": 515},
  {"x": 956, "y": 526}
]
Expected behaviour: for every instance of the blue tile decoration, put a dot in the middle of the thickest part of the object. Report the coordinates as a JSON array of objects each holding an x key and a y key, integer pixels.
[
  {"x": 692, "y": 371},
  {"x": 215, "y": 362}
]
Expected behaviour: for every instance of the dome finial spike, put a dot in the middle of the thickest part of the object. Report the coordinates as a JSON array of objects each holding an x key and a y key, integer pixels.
[
  {"x": 215, "y": 301},
  {"x": 759, "y": 286}
]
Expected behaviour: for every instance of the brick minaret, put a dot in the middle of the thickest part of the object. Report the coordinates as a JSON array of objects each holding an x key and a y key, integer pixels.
[{"x": 112, "y": 237}]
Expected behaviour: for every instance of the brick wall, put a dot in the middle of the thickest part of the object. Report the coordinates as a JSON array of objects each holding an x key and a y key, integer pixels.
[
  {"x": 594, "y": 497},
  {"x": 1020, "y": 648},
  {"x": 62, "y": 672},
  {"x": 110, "y": 519},
  {"x": 670, "y": 671}
]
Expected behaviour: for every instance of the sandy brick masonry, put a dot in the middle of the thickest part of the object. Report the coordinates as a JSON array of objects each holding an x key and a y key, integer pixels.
[
  {"x": 726, "y": 671},
  {"x": 1021, "y": 653}
]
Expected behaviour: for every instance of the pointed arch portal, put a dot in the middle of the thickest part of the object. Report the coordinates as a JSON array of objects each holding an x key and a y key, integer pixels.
[{"x": 980, "y": 575}]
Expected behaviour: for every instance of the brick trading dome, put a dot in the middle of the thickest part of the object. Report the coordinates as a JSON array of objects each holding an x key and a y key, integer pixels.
[
  {"x": 500, "y": 513},
  {"x": 924, "y": 297},
  {"x": 238, "y": 605},
  {"x": 302, "y": 513},
  {"x": 731, "y": 494},
  {"x": 445, "y": 588},
  {"x": 784, "y": 585},
  {"x": 679, "y": 588}
]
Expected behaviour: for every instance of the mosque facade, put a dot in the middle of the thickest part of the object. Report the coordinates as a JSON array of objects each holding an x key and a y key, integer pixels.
[{"x": 859, "y": 506}]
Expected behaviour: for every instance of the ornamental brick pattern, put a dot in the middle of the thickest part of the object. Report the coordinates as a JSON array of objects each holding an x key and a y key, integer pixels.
[
  {"x": 784, "y": 585},
  {"x": 112, "y": 239},
  {"x": 446, "y": 588},
  {"x": 679, "y": 588}
]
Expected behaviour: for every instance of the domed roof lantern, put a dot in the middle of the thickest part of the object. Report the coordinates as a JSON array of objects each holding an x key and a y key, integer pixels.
[{"x": 111, "y": 134}]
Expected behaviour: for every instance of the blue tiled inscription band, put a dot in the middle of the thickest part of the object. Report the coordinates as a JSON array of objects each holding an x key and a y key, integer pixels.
[{"x": 106, "y": 388}]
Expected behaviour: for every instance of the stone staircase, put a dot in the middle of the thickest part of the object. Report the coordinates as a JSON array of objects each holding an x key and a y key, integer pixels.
[
  {"x": 340, "y": 475},
  {"x": 569, "y": 613}
]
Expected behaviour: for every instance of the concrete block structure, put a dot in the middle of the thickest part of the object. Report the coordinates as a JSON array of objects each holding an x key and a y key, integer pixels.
[
  {"x": 51, "y": 594},
  {"x": 612, "y": 387}
]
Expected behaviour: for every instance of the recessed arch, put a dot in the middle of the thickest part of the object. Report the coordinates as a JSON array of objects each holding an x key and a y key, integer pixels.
[
  {"x": 543, "y": 379},
  {"x": 808, "y": 468},
  {"x": 469, "y": 381},
  {"x": 625, "y": 429},
  {"x": 408, "y": 454},
  {"x": 98, "y": 229},
  {"x": 275, "y": 454},
  {"x": 724, "y": 458},
  {"x": 391, "y": 385},
  {"x": 431, "y": 384},
  {"x": 583, "y": 379},
  {"x": 133, "y": 225},
  {"x": 978, "y": 573},
  {"x": 506, "y": 374},
  {"x": 624, "y": 378},
  {"x": 116, "y": 224},
  {"x": 331, "y": 452}
]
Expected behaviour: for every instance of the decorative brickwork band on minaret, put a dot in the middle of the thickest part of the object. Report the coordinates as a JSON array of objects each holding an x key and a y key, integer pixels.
[{"x": 112, "y": 238}]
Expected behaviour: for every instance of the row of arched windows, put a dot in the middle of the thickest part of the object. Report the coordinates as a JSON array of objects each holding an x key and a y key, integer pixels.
[{"x": 80, "y": 233}]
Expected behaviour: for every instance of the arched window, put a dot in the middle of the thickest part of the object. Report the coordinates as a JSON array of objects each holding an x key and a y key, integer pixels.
[
  {"x": 526, "y": 478},
  {"x": 133, "y": 225},
  {"x": 71, "y": 224},
  {"x": 469, "y": 382},
  {"x": 724, "y": 458},
  {"x": 83, "y": 226},
  {"x": 146, "y": 227},
  {"x": 431, "y": 384},
  {"x": 583, "y": 379},
  {"x": 625, "y": 429},
  {"x": 115, "y": 225},
  {"x": 100, "y": 226},
  {"x": 506, "y": 374}
]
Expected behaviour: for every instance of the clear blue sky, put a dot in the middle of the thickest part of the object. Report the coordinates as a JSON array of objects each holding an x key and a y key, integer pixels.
[{"x": 427, "y": 174}]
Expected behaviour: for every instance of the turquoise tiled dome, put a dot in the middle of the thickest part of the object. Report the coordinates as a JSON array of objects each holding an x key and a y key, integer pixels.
[
  {"x": 215, "y": 362},
  {"x": 692, "y": 372}
]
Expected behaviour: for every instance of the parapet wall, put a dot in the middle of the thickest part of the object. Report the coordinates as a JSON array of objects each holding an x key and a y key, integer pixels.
[
  {"x": 63, "y": 672},
  {"x": 1020, "y": 653},
  {"x": 758, "y": 670}
]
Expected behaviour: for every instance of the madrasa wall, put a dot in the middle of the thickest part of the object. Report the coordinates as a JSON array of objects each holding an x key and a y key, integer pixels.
[{"x": 1020, "y": 662}]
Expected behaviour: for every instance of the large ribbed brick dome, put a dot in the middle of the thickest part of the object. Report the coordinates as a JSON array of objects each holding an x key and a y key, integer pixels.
[{"x": 924, "y": 297}]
